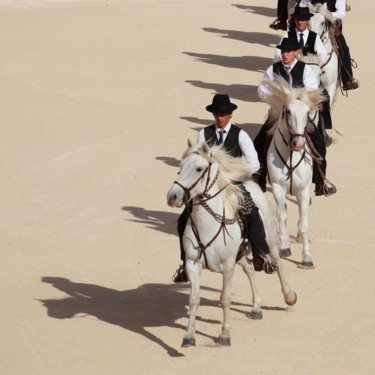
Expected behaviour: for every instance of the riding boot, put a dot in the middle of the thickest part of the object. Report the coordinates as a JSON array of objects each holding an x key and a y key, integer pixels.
[
  {"x": 257, "y": 237},
  {"x": 282, "y": 16},
  {"x": 348, "y": 81},
  {"x": 322, "y": 185}
]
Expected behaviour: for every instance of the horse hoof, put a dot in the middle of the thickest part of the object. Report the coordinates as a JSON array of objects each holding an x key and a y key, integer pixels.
[
  {"x": 290, "y": 299},
  {"x": 256, "y": 314},
  {"x": 307, "y": 265},
  {"x": 284, "y": 253},
  {"x": 186, "y": 342},
  {"x": 224, "y": 341}
]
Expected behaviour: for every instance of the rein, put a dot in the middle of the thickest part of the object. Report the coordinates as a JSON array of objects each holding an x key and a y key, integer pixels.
[
  {"x": 204, "y": 197},
  {"x": 289, "y": 167}
]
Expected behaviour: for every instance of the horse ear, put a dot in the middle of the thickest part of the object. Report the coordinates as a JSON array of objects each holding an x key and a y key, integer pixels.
[
  {"x": 205, "y": 148},
  {"x": 189, "y": 143}
]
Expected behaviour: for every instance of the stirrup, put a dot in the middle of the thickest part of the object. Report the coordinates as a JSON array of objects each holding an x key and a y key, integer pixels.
[
  {"x": 278, "y": 25},
  {"x": 270, "y": 266},
  {"x": 329, "y": 188},
  {"x": 180, "y": 275}
]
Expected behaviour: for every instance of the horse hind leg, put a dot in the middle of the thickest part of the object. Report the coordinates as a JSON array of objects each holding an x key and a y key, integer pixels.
[{"x": 248, "y": 268}]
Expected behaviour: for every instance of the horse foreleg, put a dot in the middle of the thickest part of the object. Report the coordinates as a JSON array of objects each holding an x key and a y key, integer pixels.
[
  {"x": 226, "y": 299},
  {"x": 248, "y": 268},
  {"x": 194, "y": 273},
  {"x": 281, "y": 214},
  {"x": 303, "y": 227}
]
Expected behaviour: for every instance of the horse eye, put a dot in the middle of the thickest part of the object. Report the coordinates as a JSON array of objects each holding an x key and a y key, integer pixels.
[{"x": 199, "y": 169}]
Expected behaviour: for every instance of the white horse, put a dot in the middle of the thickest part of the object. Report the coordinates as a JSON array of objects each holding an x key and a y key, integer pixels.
[
  {"x": 213, "y": 234},
  {"x": 290, "y": 159},
  {"x": 330, "y": 70}
]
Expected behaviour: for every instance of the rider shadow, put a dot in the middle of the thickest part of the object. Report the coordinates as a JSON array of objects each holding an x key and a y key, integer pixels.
[
  {"x": 246, "y": 93},
  {"x": 172, "y": 162},
  {"x": 149, "y": 305},
  {"x": 263, "y": 11},
  {"x": 265, "y": 39},
  {"x": 252, "y": 63},
  {"x": 158, "y": 220}
]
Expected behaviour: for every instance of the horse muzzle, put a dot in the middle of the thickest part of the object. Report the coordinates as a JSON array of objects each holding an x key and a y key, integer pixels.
[
  {"x": 175, "y": 197},
  {"x": 297, "y": 142}
]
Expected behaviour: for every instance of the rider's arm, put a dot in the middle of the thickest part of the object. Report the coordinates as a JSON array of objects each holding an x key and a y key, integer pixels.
[
  {"x": 340, "y": 10},
  {"x": 309, "y": 79},
  {"x": 200, "y": 137},
  {"x": 264, "y": 92},
  {"x": 320, "y": 50},
  {"x": 249, "y": 152}
]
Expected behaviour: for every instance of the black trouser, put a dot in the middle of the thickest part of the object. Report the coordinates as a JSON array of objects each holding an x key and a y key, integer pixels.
[
  {"x": 326, "y": 111},
  {"x": 261, "y": 140},
  {"x": 255, "y": 231},
  {"x": 345, "y": 60},
  {"x": 282, "y": 10},
  {"x": 318, "y": 142}
]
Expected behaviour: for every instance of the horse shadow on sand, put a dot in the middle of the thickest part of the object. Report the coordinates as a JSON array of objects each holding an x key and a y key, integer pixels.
[
  {"x": 158, "y": 220},
  {"x": 246, "y": 93},
  {"x": 252, "y": 63},
  {"x": 266, "y": 39},
  {"x": 149, "y": 305},
  {"x": 263, "y": 11}
]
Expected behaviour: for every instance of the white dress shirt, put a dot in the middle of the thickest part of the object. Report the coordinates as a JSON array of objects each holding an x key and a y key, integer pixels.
[
  {"x": 340, "y": 8},
  {"x": 319, "y": 48},
  {"x": 309, "y": 80},
  {"x": 246, "y": 145}
]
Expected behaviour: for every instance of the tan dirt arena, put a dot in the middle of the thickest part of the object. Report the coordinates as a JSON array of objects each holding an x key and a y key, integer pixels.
[{"x": 98, "y": 99}]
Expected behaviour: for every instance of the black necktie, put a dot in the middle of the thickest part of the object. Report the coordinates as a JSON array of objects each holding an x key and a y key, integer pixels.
[
  {"x": 301, "y": 40},
  {"x": 221, "y": 136}
]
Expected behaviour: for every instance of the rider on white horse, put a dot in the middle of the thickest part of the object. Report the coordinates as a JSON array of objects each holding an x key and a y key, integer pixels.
[
  {"x": 238, "y": 143},
  {"x": 298, "y": 74},
  {"x": 310, "y": 43},
  {"x": 309, "y": 40},
  {"x": 335, "y": 12}
]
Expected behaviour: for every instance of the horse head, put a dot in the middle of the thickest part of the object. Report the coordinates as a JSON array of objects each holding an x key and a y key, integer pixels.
[
  {"x": 195, "y": 172},
  {"x": 206, "y": 172},
  {"x": 296, "y": 104},
  {"x": 319, "y": 23}
]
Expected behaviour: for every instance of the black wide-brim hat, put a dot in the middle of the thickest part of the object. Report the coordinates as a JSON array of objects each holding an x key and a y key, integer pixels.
[
  {"x": 289, "y": 44},
  {"x": 302, "y": 13},
  {"x": 221, "y": 104}
]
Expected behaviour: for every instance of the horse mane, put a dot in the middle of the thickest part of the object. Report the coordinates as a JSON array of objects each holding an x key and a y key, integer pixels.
[
  {"x": 282, "y": 94},
  {"x": 232, "y": 171},
  {"x": 310, "y": 59},
  {"x": 323, "y": 10}
]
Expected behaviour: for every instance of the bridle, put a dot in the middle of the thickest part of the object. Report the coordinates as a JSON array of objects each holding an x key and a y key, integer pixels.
[
  {"x": 202, "y": 201},
  {"x": 290, "y": 167}
]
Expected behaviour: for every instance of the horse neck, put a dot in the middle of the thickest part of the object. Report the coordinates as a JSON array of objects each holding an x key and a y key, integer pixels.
[
  {"x": 216, "y": 204},
  {"x": 282, "y": 135},
  {"x": 327, "y": 41}
]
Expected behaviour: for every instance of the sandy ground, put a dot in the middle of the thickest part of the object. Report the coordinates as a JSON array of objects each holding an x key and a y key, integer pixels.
[{"x": 97, "y": 100}]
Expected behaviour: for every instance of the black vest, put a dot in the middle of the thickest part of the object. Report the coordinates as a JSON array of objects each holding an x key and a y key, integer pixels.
[
  {"x": 231, "y": 143},
  {"x": 331, "y": 4},
  {"x": 296, "y": 73},
  {"x": 310, "y": 42}
]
